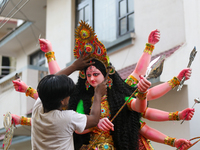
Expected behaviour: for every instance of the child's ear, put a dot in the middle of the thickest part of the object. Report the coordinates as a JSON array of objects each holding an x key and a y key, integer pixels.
[{"x": 62, "y": 102}]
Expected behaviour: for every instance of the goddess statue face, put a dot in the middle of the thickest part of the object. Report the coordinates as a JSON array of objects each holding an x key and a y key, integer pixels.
[{"x": 94, "y": 76}]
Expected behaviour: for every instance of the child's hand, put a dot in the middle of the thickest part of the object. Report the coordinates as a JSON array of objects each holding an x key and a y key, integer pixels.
[{"x": 82, "y": 62}]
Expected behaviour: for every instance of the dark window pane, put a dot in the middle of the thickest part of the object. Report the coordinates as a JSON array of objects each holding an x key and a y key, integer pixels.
[
  {"x": 37, "y": 59},
  {"x": 6, "y": 64},
  {"x": 130, "y": 6},
  {"x": 80, "y": 1},
  {"x": 87, "y": 13},
  {"x": 131, "y": 22},
  {"x": 122, "y": 8},
  {"x": 105, "y": 20},
  {"x": 122, "y": 23}
]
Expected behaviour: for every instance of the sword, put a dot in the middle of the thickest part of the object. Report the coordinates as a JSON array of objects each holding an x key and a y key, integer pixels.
[{"x": 192, "y": 55}]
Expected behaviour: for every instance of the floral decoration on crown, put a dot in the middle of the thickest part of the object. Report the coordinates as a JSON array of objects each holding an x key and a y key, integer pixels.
[{"x": 86, "y": 42}]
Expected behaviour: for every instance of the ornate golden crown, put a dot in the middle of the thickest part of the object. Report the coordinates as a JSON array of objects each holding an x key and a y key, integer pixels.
[{"x": 86, "y": 42}]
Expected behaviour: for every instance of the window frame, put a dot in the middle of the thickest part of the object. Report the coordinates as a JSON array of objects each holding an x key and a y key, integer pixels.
[
  {"x": 81, "y": 6},
  {"x": 41, "y": 61},
  {"x": 121, "y": 40},
  {"x": 125, "y": 16}
]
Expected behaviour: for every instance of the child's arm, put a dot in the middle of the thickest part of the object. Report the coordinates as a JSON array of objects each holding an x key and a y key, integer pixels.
[
  {"x": 93, "y": 118},
  {"x": 79, "y": 64},
  {"x": 84, "y": 132}
]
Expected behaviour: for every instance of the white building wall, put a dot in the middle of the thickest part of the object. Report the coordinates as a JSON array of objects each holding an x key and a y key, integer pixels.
[
  {"x": 166, "y": 16},
  {"x": 60, "y": 25},
  {"x": 192, "y": 21},
  {"x": 24, "y": 53}
]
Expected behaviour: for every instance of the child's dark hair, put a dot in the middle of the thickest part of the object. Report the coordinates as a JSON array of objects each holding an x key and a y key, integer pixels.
[{"x": 52, "y": 89}]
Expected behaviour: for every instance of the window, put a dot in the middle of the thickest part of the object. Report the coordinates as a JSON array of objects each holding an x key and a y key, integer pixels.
[
  {"x": 125, "y": 16},
  {"x": 105, "y": 20},
  {"x": 37, "y": 58},
  {"x": 112, "y": 20},
  {"x": 5, "y": 68},
  {"x": 84, "y": 11}
]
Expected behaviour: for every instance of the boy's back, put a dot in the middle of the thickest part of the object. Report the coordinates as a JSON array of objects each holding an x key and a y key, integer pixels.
[{"x": 54, "y": 130}]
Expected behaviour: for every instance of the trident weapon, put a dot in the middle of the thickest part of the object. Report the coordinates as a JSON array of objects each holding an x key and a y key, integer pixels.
[
  {"x": 154, "y": 70},
  {"x": 196, "y": 100},
  {"x": 9, "y": 130},
  {"x": 192, "y": 55}
]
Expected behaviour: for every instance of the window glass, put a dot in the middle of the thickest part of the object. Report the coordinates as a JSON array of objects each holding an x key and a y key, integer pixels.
[
  {"x": 126, "y": 17},
  {"x": 87, "y": 13},
  {"x": 38, "y": 58},
  {"x": 131, "y": 22},
  {"x": 122, "y": 8},
  {"x": 80, "y": 1},
  {"x": 123, "y": 26},
  {"x": 5, "y": 66},
  {"x": 130, "y": 6},
  {"x": 84, "y": 12},
  {"x": 105, "y": 23},
  {"x": 80, "y": 15}
]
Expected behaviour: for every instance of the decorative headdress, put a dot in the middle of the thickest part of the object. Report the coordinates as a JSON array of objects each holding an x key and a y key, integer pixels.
[{"x": 86, "y": 42}]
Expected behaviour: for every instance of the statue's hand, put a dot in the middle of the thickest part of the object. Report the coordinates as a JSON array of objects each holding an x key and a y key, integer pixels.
[
  {"x": 143, "y": 84},
  {"x": 45, "y": 45},
  {"x": 20, "y": 86},
  {"x": 188, "y": 113},
  {"x": 16, "y": 119},
  {"x": 105, "y": 124},
  {"x": 183, "y": 144},
  {"x": 154, "y": 37},
  {"x": 185, "y": 72}
]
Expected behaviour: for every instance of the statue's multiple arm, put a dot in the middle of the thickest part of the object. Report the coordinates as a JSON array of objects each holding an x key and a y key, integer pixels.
[
  {"x": 141, "y": 68},
  {"x": 20, "y": 120},
  {"x": 149, "y": 133},
  {"x": 157, "y": 136},
  {"x": 144, "y": 60},
  {"x": 139, "y": 104},
  {"x": 20, "y": 86},
  {"x": 159, "y": 115},
  {"x": 46, "y": 47},
  {"x": 161, "y": 89}
]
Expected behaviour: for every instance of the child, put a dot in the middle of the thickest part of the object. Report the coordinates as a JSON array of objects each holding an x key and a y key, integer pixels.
[{"x": 53, "y": 127}]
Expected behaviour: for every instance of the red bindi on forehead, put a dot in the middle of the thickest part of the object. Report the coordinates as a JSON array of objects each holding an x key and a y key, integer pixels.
[{"x": 91, "y": 69}]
